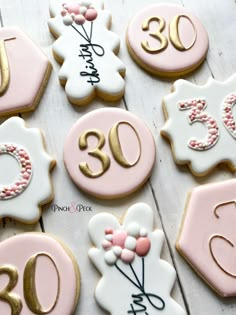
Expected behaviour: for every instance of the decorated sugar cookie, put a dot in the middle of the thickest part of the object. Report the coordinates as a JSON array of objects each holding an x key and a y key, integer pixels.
[
  {"x": 109, "y": 153},
  {"x": 25, "y": 71},
  {"x": 38, "y": 275},
  {"x": 87, "y": 51},
  {"x": 128, "y": 255},
  {"x": 207, "y": 237},
  {"x": 167, "y": 40},
  {"x": 200, "y": 124},
  {"x": 24, "y": 166}
]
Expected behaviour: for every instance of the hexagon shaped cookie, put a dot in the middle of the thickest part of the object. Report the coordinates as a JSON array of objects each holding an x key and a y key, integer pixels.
[
  {"x": 25, "y": 71},
  {"x": 207, "y": 238}
]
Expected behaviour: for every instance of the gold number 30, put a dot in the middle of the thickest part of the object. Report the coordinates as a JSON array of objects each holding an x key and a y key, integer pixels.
[
  {"x": 29, "y": 287},
  {"x": 114, "y": 143},
  {"x": 173, "y": 34}
]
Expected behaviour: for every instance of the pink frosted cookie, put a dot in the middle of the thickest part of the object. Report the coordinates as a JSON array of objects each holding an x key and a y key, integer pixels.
[
  {"x": 167, "y": 40},
  {"x": 24, "y": 167},
  {"x": 135, "y": 280},
  {"x": 200, "y": 124},
  {"x": 87, "y": 51},
  {"x": 25, "y": 71},
  {"x": 38, "y": 275},
  {"x": 109, "y": 153},
  {"x": 207, "y": 236}
]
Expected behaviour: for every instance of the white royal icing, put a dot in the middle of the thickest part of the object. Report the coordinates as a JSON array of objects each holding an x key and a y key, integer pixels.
[
  {"x": 31, "y": 187},
  {"x": 101, "y": 59},
  {"x": 123, "y": 284},
  {"x": 213, "y": 126}
]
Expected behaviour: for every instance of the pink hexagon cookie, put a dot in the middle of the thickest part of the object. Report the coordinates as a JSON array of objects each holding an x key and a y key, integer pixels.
[
  {"x": 167, "y": 40},
  {"x": 109, "y": 153},
  {"x": 207, "y": 237},
  {"x": 25, "y": 71}
]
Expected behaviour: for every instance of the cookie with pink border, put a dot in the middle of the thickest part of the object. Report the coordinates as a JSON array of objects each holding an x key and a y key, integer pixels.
[
  {"x": 207, "y": 236},
  {"x": 25, "y": 171},
  {"x": 109, "y": 153},
  {"x": 38, "y": 275},
  {"x": 87, "y": 51},
  {"x": 127, "y": 254},
  {"x": 25, "y": 71},
  {"x": 200, "y": 124},
  {"x": 167, "y": 40}
]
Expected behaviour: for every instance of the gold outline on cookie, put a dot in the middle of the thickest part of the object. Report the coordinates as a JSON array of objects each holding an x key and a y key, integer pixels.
[
  {"x": 220, "y": 205},
  {"x": 174, "y": 33},
  {"x": 4, "y": 66},
  {"x": 213, "y": 256},
  {"x": 30, "y": 287}
]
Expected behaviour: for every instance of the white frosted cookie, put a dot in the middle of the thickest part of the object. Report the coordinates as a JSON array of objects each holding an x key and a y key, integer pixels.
[
  {"x": 25, "y": 171},
  {"x": 200, "y": 124},
  {"x": 134, "y": 277},
  {"x": 87, "y": 51}
]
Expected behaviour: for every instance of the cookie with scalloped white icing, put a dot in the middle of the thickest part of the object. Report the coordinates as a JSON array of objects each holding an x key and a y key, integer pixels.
[
  {"x": 127, "y": 254},
  {"x": 200, "y": 124},
  {"x": 25, "y": 171},
  {"x": 87, "y": 51}
]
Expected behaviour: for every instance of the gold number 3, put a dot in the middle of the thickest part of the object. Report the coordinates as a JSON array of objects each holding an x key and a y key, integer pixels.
[
  {"x": 114, "y": 143},
  {"x": 30, "y": 293},
  {"x": 173, "y": 34}
]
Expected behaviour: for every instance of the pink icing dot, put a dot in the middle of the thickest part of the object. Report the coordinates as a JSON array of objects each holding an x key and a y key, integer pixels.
[
  {"x": 106, "y": 244},
  {"x": 143, "y": 246},
  {"x": 119, "y": 238},
  {"x": 108, "y": 231},
  {"x": 91, "y": 14},
  {"x": 127, "y": 256},
  {"x": 79, "y": 19},
  {"x": 73, "y": 8}
]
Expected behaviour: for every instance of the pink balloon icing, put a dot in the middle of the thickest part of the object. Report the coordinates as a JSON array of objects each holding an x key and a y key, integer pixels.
[
  {"x": 127, "y": 256},
  {"x": 79, "y": 19},
  {"x": 91, "y": 14},
  {"x": 73, "y": 8},
  {"x": 143, "y": 246},
  {"x": 119, "y": 238}
]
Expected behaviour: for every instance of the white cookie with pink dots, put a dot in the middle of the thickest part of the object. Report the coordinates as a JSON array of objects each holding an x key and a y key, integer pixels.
[
  {"x": 200, "y": 124},
  {"x": 24, "y": 166},
  {"x": 87, "y": 51},
  {"x": 135, "y": 280}
]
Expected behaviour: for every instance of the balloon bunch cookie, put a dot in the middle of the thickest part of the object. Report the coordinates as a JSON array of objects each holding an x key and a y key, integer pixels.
[
  {"x": 128, "y": 255},
  {"x": 87, "y": 51}
]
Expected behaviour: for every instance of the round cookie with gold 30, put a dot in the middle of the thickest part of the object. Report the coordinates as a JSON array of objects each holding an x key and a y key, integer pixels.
[
  {"x": 167, "y": 40},
  {"x": 109, "y": 153}
]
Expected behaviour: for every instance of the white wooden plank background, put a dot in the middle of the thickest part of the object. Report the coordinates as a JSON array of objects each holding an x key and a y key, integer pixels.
[{"x": 167, "y": 189}]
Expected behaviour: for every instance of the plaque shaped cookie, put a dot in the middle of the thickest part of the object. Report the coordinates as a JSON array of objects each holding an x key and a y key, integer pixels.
[
  {"x": 25, "y": 171},
  {"x": 200, "y": 124},
  {"x": 167, "y": 40},
  {"x": 25, "y": 71},
  {"x": 134, "y": 278},
  {"x": 207, "y": 236},
  {"x": 109, "y": 153},
  {"x": 38, "y": 275},
  {"x": 87, "y": 51}
]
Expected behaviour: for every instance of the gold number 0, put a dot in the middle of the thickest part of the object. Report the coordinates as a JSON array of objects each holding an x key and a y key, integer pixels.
[
  {"x": 115, "y": 146},
  {"x": 173, "y": 34},
  {"x": 30, "y": 293}
]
